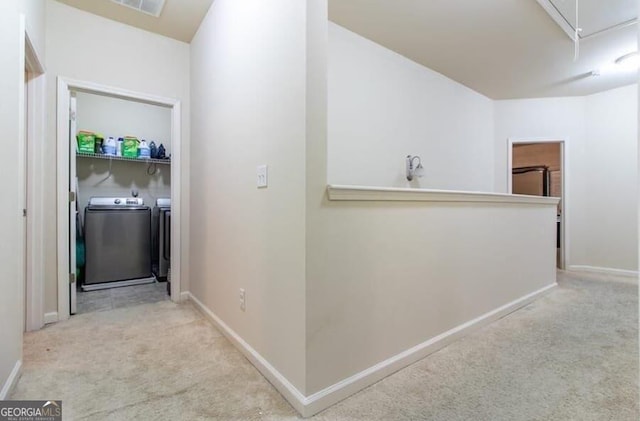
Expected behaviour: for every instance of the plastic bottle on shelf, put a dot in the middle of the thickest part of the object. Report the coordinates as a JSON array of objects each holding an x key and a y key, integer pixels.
[
  {"x": 153, "y": 150},
  {"x": 119, "y": 146},
  {"x": 110, "y": 146},
  {"x": 98, "y": 145},
  {"x": 143, "y": 150}
]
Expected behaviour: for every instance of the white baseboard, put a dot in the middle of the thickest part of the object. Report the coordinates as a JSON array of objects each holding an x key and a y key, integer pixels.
[
  {"x": 50, "y": 317},
  {"x": 605, "y": 271},
  {"x": 184, "y": 296},
  {"x": 289, "y": 391},
  {"x": 11, "y": 382},
  {"x": 311, "y": 405},
  {"x": 341, "y": 390}
]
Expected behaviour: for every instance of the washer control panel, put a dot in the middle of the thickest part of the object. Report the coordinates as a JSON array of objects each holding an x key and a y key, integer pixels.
[{"x": 116, "y": 201}]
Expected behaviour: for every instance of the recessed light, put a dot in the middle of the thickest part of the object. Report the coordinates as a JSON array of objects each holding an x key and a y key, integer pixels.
[{"x": 148, "y": 7}]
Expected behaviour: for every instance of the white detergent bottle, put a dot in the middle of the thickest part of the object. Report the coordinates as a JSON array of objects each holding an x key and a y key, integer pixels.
[
  {"x": 110, "y": 146},
  {"x": 143, "y": 150}
]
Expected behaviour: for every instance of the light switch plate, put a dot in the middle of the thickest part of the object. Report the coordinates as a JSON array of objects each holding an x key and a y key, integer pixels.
[{"x": 262, "y": 180}]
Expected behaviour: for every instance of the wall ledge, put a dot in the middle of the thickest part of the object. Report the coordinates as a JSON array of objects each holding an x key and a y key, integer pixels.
[{"x": 384, "y": 194}]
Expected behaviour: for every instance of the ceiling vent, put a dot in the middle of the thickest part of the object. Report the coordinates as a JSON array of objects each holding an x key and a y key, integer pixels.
[
  {"x": 588, "y": 18},
  {"x": 148, "y": 7}
]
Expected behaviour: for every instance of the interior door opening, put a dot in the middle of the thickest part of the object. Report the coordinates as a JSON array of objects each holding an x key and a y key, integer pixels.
[
  {"x": 115, "y": 193},
  {"x": 30, "y": 145},
  {"x": 537, "y": 169},
  {"x": 120, "y": 174},
  {"x": 25, "y": 189}
]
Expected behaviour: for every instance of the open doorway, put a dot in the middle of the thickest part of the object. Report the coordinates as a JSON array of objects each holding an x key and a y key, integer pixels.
[
  {"x": 126, "y": 207},
  {"x": 123, "y": 201},
  {"x": 32, "y": 117},
  {"x": 537, "y": 168}
]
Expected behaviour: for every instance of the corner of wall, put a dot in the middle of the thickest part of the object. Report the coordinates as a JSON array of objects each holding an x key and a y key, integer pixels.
[
  {"x": 259, "y": 246},
  {"x": 315, "y": 150}
]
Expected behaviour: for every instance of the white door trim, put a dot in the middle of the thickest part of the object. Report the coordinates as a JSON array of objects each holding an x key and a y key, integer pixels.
[
  {"x": 566, "y": 204},
  {"x": 65, "y": 86},
  {"x": 21, "y": 149},
  {"x": 35, "y": 123}
]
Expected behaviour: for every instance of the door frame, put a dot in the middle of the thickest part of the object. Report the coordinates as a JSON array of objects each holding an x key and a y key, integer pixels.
[
  {"x": 566, "y": 204},
  {"x": 32, "y": 146},
  {"x": 65, "y": 86}
]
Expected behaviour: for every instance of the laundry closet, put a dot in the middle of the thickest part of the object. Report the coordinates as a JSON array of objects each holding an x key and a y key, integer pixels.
[{"x": 123, "y": 207}]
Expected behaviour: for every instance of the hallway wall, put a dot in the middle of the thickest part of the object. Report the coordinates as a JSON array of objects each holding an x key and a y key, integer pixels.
[
  {"x": 601, "y": 134},
  {"x": 11, "y": 219},
  {"x": 611, "y": 202},
  {"x": 248, "y": 109},
  {"x": 384, "y": 277},
  {"x": 383, "y": 107},
  {"x": 95, "y": 49}
]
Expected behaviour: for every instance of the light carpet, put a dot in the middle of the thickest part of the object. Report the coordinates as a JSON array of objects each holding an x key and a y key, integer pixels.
[{"x": 571, "y": 355}]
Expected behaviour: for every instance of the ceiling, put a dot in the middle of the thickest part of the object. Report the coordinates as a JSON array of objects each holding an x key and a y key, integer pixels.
[
  {"x": 500, "y": 48},
  {"x": 180, "y": 19}
]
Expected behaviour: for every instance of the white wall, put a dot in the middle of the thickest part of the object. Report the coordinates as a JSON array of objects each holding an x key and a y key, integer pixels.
[
  {"x": 557, "y": 118},
  {"x": 11, "y": 279},
  {"x": 34, "y": 10},
  {"x": 11, "y": 220},
  {"x": 118, "y": 118},
  {"x": 383, "y": 107},
  {"x": 600, "y": 133},
  {"x": 95, "y": 178},
  {"x": 383, "y": 277},
  {"x": 397, "y": 274},
  {"x": 248, "y": 108},
  {"x": 94, "y": 49},
  {"x": 611, "y": 202}
]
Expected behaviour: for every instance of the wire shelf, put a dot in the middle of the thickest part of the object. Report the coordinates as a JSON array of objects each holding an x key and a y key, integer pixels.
[{"x": 123, "y": 158}]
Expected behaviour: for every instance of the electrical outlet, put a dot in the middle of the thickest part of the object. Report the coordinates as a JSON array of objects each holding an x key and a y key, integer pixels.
[
  {"x": 243, "y": 302},
  {"x": 261, "y": 173}
]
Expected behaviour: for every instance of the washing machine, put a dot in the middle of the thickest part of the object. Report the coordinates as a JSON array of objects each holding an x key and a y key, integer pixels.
[{"x": 117, "y": 242}]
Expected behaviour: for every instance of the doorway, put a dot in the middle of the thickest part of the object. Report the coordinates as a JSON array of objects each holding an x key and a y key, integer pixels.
[
  {"x": 537, "y": 168},
  {"x": 67, "y": 197},
  {"x": 24, "y": 187},
  {"x": 32, "y": 117},
  {"x": 120, "y": 266}
]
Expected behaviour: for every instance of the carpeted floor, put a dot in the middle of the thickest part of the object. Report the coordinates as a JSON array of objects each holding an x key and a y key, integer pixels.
[{"x": 572, "y": 355}]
